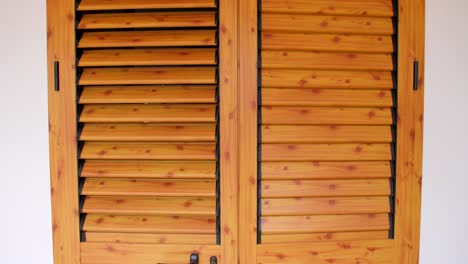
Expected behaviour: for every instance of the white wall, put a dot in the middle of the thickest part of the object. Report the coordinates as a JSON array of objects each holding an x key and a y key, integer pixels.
[{"x": 25, "y": 233}]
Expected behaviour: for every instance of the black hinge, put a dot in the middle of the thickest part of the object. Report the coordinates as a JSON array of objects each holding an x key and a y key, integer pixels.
[
  {"x": 416, "y": 75},
  {"x": 56, "y": 76},
  {"x": 194, "y": 258}
]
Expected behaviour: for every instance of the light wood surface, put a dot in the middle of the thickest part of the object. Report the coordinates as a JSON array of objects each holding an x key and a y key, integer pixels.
[
  {"x": 142, "y": 238},
  {"x": 324, "y": 237},
  {"x": 142, "y": 4}
]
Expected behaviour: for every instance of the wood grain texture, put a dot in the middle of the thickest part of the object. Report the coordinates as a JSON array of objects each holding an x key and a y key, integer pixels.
[
  {"x": 285, "y": 78},
  {"x": 325, "y": 134},
  {"x": 320, "y": 60},
  {"x": 326, "y": 170},
  {"x": 288, "y": 115},
  {"x": 148, "y": 132},
  {"x": 149, "y": 206},
  {"x": 342, "y": 252},
  {"x": 149, "y": 169},
  {"x": 321, "y": 206},
  {"x": 150, "y": 224},
  {"x": 121, "y": 253},
  {"x": 324, "y": 237},
  {"x": 142, "y": 4},
  {"x": 166, "y": 38},
  {"x": 147, "y": 20},
  {"x": 326, "y": 24},
  {"x": 142, "y": 238},
  {"x": 330, "y": 7},
  {"x": 62, "y": 132},
  {"x": 324, "y": 188},
  {"x": 149, "y": 187},
  {"x": 148, "y": 94},
  {"x": 326, "y": 97},
  {"x": 147, "y": 57},
  {"x": 326, "y": 42},
  {"x": 148, "y": 150},
  {"x": 148, "y": 75},
  {"x": 173, "y": 113},
  {"x": 324, "y": 223}
]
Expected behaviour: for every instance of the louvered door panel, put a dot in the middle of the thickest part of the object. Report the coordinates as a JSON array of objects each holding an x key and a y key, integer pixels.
[
  {"x": 148, "y": 98},
  {"x": 327, "y": 121}
]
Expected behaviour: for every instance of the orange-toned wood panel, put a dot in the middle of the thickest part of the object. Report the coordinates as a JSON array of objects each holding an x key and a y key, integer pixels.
[
  {"x": 148, "y": 94},
  {"x": 112, "y": 253},
  {"x": 326, "y": 42},
  {"x": 142, "y": 4},
  {"x": 147, "y": 57},
  {"x": 324, "y": 237},
  {"x": 324, "y": 188},
  {"x": 327, "y": 24},
  {"x": 326, "y": 170},
  {"x": 282, "y": 78},
  {"x": 333, "y": 7},
  {"x": 147, "y": 132},
  {"x": 341, "y": 252},
  {"x": 148, "y": 113},
  {"x": 319, "y": 60},
  {"x": 149, "y": 169},
  {"x": 142, "y": 238},
  {"x": 324, "y": 152},
  {"x": 325, "y": 134},
  {"x": 150, "y": 224},
  {"x": 148, "y": 150},
  {"x": 148, "y": 206},
  {"x": 149, "y": 187},
  {"x": 108, "y": 39},
  {"x": 147, "y": 20},
  {"x": 319, "y": 206},
  {"x": 326, "y": 97},
  {"x": 148, "y": 75},
  {"x": 326, "y": 115}
]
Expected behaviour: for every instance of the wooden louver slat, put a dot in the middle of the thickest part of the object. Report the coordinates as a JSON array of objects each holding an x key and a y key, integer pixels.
[{"x": 143, "y": 4}]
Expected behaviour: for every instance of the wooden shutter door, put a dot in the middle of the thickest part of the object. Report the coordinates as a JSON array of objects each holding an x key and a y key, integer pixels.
[
  {"x": 328, "y": 153},
  {"x": 145, "y": 118}
]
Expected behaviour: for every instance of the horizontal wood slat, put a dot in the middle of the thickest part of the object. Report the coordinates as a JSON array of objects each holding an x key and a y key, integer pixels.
[
  {"x": 326, "y": 97},
  {"x": 148, "y": 113},
  {"x": 148, "y": 75},
  {"x": 326, "y": 134},
  {"x": 324, "y": 188},
  {"x": 148, "y": 132},
  {"x": 149, "y": 169},
  {"x": 324, "y": 223},
  {"x": 319, "y": 60},
  {"x": 149, "y": 206},
  {"x": 326, "y": 42},
  {"x": 148, "y": 94},
  {"x": 121, "y": 253},
  {"x": 342, "y": 252},
  {"x": 326, "y": 116},
  {"x": 148, "y": 20},
  {"x": 278, "y": 78},
  {"x": 327, "y": 24},
  {"x": 149, "y": 187},
  {"x": 142, "y": 4},
  {"x": 326, "y": 170},
  {"x": 322, "y": 237},
  {"x": 320, "y": 206},
  {"x": 147, "y": 57},
  {"x": 148, "y": 150},
  {"x": 139, "y": 238},
  {"x": 324, "y": 152},
  {"x": 150, "y": 224},
  {"x": 161, "y": 38},
  {"x": 333, "y": 7}
]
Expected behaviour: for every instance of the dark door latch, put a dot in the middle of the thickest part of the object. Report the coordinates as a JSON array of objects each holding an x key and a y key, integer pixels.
[
  {"x": 213, "y": 260},
  {"x": 194, "y": 258}
]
